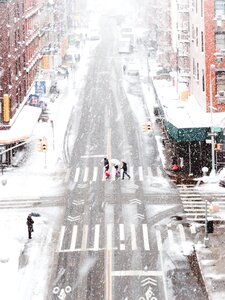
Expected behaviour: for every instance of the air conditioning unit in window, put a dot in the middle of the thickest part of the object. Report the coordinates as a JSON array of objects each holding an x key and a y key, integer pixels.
[{"x": 220, "y": 94}]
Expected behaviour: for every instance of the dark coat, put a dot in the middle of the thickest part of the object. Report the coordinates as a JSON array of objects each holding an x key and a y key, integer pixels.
[
  {"x": 30, "y": 223},
  {"x": 124, "y": 166},
  {"x": 106, "y": 163}
]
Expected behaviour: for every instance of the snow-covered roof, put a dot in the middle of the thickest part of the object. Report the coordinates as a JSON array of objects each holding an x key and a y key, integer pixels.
[
  {"x": 184, "y": 114},
  {"x": 22, "y": 127}
]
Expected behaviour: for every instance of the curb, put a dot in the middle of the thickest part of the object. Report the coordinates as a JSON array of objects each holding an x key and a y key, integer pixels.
[{"x": 202, "y": 274}]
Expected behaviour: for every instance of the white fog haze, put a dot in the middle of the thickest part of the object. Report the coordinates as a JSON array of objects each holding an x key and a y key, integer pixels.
[{"x": 112, "y": 150}]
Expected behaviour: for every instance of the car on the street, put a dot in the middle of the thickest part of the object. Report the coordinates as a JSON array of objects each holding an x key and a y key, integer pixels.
[{"x": 132, "y": 70}]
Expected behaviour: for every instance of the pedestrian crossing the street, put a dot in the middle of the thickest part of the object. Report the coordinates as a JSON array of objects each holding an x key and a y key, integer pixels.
[
  {"x": 121, "y": 237},
  {"x": 194, "y": 203},
  {"x": 94, "y": 174}
]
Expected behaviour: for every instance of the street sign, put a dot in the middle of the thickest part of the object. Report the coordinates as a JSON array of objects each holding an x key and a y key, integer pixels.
[
  {"x": 208, "y": 141},
  {"x": 40, "y": 87}
]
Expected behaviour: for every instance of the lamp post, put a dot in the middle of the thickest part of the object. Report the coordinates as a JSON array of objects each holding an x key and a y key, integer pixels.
[{"x": 213, "y": 171}]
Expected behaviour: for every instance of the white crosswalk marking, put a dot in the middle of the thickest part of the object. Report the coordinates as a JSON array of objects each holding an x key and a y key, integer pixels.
[
  {"x": 171, "y": 240},
  {"x": 96, "y": 237},
  {"x": 61, "y": 236},
  {"x": 84, "y": 238},
  {"x": 95, "y": 174},
  {"x": 140, "y": 170},
  {"x": 145, "y": 236},
  {"x": 126, "y": 239},
  {"x": 74, "y": 238},
  {"x": 85, "y": 174},
  {"x": 122, "y": 237},
  {"x": 150, "y": 172},
  {"x": 133, "y": 237},
  {"x": 159, "y": 171},
  {"x": 77, "y": 174}
]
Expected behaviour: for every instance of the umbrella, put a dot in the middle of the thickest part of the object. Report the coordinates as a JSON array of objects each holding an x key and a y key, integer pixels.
[{"x": 115, "y": 162}]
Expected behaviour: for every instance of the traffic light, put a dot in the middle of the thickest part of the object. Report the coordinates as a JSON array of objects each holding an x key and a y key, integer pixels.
[
  {"x": 147, "y": 127},
  {"x": 6, "y": 108},
  {"x": 44, "y": 146},
  {"x": 210, "y": 227},
  {"x": 219, "y": 147},
  {"x": 39, "y": 145}
]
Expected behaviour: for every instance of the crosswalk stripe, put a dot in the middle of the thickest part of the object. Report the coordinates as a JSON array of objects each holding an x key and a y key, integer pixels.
[
  {"x": 150, "y": 172},
  {"x": 96, "y": 237},
  {"x": 122, "y": 237},
  {"x": 145, "y": 236},
  {"x": 77, "y": 174},
  {"x": 171, "y": 239},
  {"x": 133, "y": 237},
  {"x": 140, "y": 170},
  {"x": 103, "y": 175},
  {"x": 85, "y": 174},
  {"x": 84, "y": 238},
  {"x": 95, "y": 174},
  {"x": 74, "y": 238},
  {"x": 61, "y": 236},
  {"x": 159, "y": 171}
]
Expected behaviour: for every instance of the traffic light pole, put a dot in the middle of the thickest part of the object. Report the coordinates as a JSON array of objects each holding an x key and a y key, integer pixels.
[{"x": 206, "y": 238}]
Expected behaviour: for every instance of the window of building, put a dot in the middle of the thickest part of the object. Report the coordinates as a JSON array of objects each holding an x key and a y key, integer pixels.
[
  {"x": 202, "y": 41},
  {"x": 203, "y": 80},
  {"x": 192, "y": 32},
  {"x": 220, "y": 40},
  {"x": 196, "y": 37},
  {"x": 193, "y": 66},
  {"x": 220, "y": 81},
  {"x": 219, "y": 7},
  {"x": 201, "y": 8}
]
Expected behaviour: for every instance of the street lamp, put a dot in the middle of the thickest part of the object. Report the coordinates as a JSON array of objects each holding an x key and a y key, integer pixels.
[{"x": 213, "y": 171}]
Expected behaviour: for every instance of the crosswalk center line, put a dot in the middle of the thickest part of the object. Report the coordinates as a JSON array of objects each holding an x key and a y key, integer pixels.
[{"x": 109, "y": 236}]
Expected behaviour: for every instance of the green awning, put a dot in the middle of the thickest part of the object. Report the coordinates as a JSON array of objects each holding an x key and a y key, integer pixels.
[{"x": 187, "y": 134}]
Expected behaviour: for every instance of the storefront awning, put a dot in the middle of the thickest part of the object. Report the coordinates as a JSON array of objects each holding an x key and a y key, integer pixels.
[{"x": 22, "y": 127}]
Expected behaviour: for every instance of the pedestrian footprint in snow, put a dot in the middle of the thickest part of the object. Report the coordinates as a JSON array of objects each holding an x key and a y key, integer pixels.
[{"x": 30, "y": 223}]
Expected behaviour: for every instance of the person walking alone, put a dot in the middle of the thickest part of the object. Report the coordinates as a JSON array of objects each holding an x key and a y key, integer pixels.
[
  {"x": 124, "y": 168},
  {"x": 30, "y": 223}
]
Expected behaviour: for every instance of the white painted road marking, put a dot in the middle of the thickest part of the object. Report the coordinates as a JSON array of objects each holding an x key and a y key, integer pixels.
[
  {"x": 145, "y": 236},
  {"x": 77, "y": 174}
]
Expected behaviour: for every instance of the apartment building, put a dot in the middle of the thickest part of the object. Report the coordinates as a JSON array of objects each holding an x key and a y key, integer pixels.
[
  {"x": 12, "y": 60},
  {"x": 207, "y": 51}
]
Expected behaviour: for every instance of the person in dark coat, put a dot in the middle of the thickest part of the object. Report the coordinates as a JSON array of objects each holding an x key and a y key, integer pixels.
[
  {"x": 30, "y": 223},
  {"x": 124, "y": 168},
  {"x": 106, "y": 164}
]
